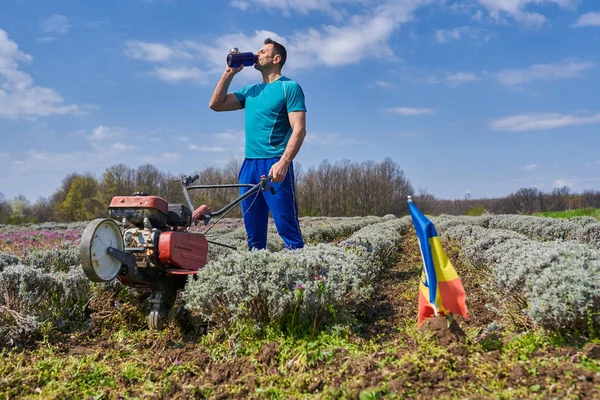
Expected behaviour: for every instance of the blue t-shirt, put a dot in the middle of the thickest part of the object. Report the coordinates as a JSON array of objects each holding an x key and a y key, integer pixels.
[{"x": 267, "y": 105}]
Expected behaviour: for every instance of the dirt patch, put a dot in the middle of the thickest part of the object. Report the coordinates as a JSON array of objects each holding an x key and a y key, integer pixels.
[
  {"x": 395, "y": 298},
  {"x": 444, "y": 332},
  {"x": 268, "y": 354},
  {"x": 388, "y": 356}
]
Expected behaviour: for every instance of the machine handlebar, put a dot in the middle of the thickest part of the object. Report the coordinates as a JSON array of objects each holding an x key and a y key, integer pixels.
[{"x": 186, "y": 184}]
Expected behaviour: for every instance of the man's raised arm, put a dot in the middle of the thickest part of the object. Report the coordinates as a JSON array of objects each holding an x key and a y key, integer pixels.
[{"x": 221, "y": 100}]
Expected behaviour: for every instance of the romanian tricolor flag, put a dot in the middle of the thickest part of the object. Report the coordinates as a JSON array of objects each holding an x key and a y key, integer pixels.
[{"x": 440, "y": 291}]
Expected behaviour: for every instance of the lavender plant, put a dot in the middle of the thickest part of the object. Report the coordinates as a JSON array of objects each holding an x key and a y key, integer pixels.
[
  {"x": 378, "y": 241},
  {"x": 566, "y": 294},
  {"x": 314, "y": 230},
  {"x": 265, "y": 287},
  {"x": 322, "y": 283},
  {"x": 7, "y": 259},
  {"x": 54, "y": 260},
  {"x": 558, "y": 280},
  {"x": 579, "y": 229},
  {"x": 36, "y": 295}
]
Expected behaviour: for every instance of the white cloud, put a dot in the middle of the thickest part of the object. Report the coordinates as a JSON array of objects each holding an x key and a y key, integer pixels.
[
  {"x": 19, "y": 97},
  {"x": 448, "y": 35},
  {"x": 563, "y": 70},
  {"x": 530, "y": 167},
  {"x": 328, "y": 139},
  {"x": 211, "y": 149},
  {"x": 241, "y": 4},
  {"x": 104, "y": 132},
  {"x": 97, "y": 24},
  {"x": 121, "y": 147},
  {"x": 169, "y": 157},
  {"x": 359, "y": 37},
  {"x": 561, "y": 182},
  {"x": 35, "y": 160},
  {"x": 230, "y": 141},
  {"x": 588, "y": 19},
  {"x": 517, "y": 10},
  {"x": 46, "y": 39},
  {"x": 452, "y": 79},
  {"x": 155, "y": 52},
  {"x": 531, "y": 122},
  {"x": 231, "y": 136},
  {"x": 333, "y": 8},
  {"x": 380, "y": 84},
  {"x": 410, "y": 111},
  {"x": 180, "y": 74},
  {"x": 56, "y": 24}
]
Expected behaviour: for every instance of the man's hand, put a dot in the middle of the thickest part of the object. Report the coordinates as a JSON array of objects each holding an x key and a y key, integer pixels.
[
  {"x": 279, "y": 170},
  {"x": 229, "y": 71}
]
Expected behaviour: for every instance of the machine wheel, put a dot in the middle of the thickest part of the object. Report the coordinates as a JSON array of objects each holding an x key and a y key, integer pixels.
[
  {"x": 97, "y": 237},
  {"x": 156, "y": 321},
  {"x": 160, "y": 306}
]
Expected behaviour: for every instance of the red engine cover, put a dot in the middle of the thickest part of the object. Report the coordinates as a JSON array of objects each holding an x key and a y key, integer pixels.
[
  {"x": 153, "y": 202},
  {"x": 183, "y": 250}
]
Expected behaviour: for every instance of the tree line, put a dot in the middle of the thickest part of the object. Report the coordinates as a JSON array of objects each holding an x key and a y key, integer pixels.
[{"x": 344, "y": 188}]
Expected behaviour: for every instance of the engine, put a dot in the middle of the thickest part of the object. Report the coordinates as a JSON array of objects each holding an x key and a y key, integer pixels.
[{"x": 154, "y": 232}]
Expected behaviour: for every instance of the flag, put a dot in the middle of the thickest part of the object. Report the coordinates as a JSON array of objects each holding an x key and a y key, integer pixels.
[{"x": 440, "y": 290}]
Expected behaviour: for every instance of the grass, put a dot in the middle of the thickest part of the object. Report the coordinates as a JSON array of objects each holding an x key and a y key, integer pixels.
[
  {"x": 123, "y": 360},
  {"x": 334, "y": 364},
  {"x": 580, "y": 212}
]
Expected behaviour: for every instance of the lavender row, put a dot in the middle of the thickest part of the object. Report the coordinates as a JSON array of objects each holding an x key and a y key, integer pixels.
[
  {"x": 322, "y": 283},
  {"x": 314, "y": 230},
  {"x": 32, "y": 295},
  {"x": 579, "y": 229},
  {"x": 559, "y": 280}
]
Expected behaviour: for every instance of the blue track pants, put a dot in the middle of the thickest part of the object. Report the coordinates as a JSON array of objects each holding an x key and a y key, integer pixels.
[{"x": 282, "y": 204}]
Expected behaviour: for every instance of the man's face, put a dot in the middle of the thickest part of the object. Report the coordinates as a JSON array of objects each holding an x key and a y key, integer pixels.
[{"x": 265, "y": 57}]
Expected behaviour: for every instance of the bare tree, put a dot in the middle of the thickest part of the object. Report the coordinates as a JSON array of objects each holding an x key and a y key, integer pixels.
[{"x": 526, "y": 200}]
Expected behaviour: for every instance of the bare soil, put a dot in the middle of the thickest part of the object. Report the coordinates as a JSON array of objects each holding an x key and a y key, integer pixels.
[{"x": 439, "y": 360}]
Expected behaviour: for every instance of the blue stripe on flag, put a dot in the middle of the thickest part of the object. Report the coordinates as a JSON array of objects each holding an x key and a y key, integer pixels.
[{"x": 425, "y": 230}]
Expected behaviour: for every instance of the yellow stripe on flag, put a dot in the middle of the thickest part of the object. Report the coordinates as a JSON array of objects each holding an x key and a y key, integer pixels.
[{"x": 444, "y": 269}]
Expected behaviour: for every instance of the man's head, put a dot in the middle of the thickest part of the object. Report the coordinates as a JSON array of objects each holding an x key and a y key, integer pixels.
[{"x": 271, "y": 56}]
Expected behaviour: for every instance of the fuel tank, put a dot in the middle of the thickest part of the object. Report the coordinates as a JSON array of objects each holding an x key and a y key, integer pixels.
[{"x": 183, "y": 250}]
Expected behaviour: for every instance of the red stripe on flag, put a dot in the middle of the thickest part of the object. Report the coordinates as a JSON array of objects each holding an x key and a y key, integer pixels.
[
  {"x": 425, "y": 309},
  {"x": 453, "y": 297}
]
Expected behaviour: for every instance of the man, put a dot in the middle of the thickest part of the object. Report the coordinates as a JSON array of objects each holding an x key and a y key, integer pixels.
[{"x": 275, "y": 126}]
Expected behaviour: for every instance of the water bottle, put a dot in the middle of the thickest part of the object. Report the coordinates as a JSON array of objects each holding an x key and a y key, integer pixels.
[{"x": 235, "y": 58}]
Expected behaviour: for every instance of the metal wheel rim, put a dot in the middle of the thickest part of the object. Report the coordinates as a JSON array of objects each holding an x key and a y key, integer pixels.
[{"x": 98, "y": 236}]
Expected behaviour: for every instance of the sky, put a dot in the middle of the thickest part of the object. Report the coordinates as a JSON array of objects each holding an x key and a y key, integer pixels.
[{"x": 474, "y": 98}]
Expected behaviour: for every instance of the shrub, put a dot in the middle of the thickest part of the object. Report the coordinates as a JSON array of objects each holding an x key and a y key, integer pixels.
[
  {"x": 323, "y": 282},
  {"x": 7, "y": 259},
  {"x": 36, "y": 295},
  {"x": 566, "y": 294},
  {"x": 318, "y": 284},
  {"x": 559, "y": 280},
  {"x": 54, "y": 260}
]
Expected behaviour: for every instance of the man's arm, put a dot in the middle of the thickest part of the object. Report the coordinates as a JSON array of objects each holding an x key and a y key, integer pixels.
[
  {"x": 221, "y": 100},
  {"x": 280, "y": 168}
]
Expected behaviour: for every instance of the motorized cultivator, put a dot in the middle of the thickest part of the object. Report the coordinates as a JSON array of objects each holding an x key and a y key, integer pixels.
[{"x": 146, "y": 242}]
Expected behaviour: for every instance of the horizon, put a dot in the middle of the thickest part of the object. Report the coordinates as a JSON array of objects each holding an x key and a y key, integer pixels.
[{"x": 475, "y": 98}]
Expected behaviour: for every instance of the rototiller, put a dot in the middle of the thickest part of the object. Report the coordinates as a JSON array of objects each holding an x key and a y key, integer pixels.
[{"x": 146, "y": 243}]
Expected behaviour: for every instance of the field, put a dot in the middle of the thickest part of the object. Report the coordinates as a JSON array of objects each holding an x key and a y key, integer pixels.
[{"x": 337, "y": 319}]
